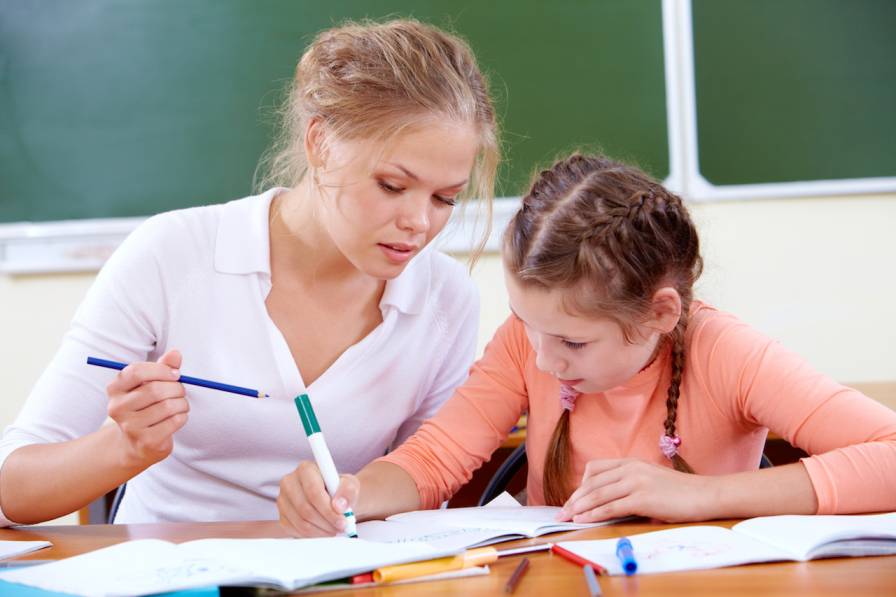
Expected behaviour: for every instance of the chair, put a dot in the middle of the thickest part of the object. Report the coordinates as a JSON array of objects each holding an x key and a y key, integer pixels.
[
  {"x": 116, "y": 501},
  {"x": 508, "y": 469},
  {"x": 517, "y": 459}
]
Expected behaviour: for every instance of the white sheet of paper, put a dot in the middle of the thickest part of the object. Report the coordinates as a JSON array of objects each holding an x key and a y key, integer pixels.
[{"x": 9, "y": 549}]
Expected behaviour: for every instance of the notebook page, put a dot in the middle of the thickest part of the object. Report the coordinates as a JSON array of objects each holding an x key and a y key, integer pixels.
[
  {"x": 440, "y": 537},
  {"x": 685, "y": 548},
  {"x": 530, "y": 521},
  {"x": 294, "y": 563},
  {"x": 130, "y": 568},
  {"x": 799, "y": 535}
]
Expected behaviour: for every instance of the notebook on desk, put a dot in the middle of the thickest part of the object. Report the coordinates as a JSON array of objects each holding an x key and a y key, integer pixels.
[
  {"x": 150, "y": 566},
  {"x": 764, "y": 539}
]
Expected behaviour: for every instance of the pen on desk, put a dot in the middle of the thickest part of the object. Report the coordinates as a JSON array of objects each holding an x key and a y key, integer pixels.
[
  {"x": 517, "y": 575},
  {"x": 575, "y": 559},
  {"x": 468, "y": 559},
  {"x": 193, "y": 381},
  {"x": 591, "y": 580},
  {"x": 513, "y": 551},
  {"x": 626, "y": 555},
  {"x": 323, "y": 457}
]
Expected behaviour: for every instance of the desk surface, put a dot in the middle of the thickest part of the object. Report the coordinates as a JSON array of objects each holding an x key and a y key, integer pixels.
[{"x": 548, "y": 574}]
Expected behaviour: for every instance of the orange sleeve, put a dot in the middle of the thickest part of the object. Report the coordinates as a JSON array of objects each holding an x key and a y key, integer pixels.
[
  {"x": 850, "y": 437},
  {"x": 442, "y": 455}
]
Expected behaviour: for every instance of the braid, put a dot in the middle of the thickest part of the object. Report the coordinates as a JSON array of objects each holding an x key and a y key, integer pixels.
[
  {"x": 674, "y": 391},
  {"x": 556, "y": 464}
]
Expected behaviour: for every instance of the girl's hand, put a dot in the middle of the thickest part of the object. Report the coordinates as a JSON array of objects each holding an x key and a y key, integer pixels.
[
  {"x": 614, "y": 488},
  {"x": 305, "y": 507},
  {"x": 148, "y": 404}
]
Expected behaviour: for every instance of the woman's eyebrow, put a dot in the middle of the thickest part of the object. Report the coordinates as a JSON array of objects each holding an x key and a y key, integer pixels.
[{"x": 413, "y": 176}]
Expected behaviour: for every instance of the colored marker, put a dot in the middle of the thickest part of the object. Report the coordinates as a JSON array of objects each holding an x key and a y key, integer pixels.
[
  {"x": 468, "y": 559},
  {"x": 591, "y": 581},
  {"x": 194, "y": 381},
  {"x": 323, "y": 457},
  {"x": 626, "y": 555},
  {"x": 517, "y": 576},
  {"x": 576, "y": 559}
]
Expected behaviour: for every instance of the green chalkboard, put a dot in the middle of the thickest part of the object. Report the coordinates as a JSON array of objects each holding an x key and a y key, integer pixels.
[
  {"x": 114, "y": 108},
  {"x": 795, "y": 90}
]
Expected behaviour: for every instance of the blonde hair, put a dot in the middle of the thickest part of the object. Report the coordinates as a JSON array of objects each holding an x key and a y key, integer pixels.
[
  {"x": 612, "y": 236},
  {"x": 368, "y": 80}
]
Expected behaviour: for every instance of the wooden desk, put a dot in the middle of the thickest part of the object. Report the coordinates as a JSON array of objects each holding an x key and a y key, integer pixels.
[{"x": 548, "y": 574}]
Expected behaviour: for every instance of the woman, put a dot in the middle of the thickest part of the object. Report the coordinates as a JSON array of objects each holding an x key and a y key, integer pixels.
[{"x": 325, "y": 287}]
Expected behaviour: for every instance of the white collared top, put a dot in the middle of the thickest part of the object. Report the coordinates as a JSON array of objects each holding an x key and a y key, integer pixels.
[{"x": 196, "y": 280}]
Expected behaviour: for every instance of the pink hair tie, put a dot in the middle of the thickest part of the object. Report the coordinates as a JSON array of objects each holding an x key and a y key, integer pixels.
[
  {"x": 568, "y": 397},
  {"x": 669, "y": 445}
]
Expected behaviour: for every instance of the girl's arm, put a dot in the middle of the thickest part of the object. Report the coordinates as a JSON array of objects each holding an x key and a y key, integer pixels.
[{"x": 756, "y": 382}]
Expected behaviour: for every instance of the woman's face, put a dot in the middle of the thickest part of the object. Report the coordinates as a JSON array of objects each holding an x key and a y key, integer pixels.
[
  {"x": 383, "y": 205},
  {"x": 588, "y": 354}
]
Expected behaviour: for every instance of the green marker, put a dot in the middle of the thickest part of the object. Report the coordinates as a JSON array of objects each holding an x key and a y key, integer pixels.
[{"x": 322, "y": 456}]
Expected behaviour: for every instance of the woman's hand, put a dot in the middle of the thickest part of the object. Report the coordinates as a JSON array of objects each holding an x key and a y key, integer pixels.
[
  {"x": 614, "y": 488},
  {"x": 149, "y": 406},
  {"x": 305, "y": 507}
]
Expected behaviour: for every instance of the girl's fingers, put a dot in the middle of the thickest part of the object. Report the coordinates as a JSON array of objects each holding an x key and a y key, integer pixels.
[
  {"x": 589, "y": 485},
  {"x": 598, "y": 497},
  {"x": 625, "y": 506}
]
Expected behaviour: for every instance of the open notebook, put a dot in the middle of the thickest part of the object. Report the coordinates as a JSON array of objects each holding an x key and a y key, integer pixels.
[
  {"x": 150, "y": 566},
  {"x": 764, "y": 539},
  {"x": 457, "y": 528}
]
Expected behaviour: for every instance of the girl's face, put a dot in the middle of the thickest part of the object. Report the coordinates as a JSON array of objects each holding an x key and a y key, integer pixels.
[
  {"x": 591, "y": 355},
  {"x": 383, "y": 206}
]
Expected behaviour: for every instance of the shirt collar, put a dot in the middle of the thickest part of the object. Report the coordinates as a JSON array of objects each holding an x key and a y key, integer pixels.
[{"x": 243, "y": 246}]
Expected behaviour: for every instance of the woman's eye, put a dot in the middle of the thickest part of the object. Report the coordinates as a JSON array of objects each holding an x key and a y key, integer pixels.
[
  {"x": 450, "y": 201},
  {"x": 574, "y": 345},
  {"x": 389, "y": 188}
]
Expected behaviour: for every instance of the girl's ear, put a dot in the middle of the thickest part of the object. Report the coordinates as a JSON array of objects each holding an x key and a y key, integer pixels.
[
  {"x": 314, "y": 143},
  {"x": 665, "y": 310}
]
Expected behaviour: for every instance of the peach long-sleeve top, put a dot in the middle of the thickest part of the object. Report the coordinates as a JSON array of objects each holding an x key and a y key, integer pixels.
[{"x": 738, "y": 384}]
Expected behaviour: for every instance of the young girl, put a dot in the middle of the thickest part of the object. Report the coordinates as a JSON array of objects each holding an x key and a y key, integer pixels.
[
  {"x": 326, "y": 287},
  {"x": 641, "y": 400}
]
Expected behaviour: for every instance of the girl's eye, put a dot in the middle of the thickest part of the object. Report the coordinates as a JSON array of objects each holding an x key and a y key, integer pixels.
[
  {"x": 389, "y": 188},
  {"x": 574, "y": 345},
  {"x": 449, "y": 201}
]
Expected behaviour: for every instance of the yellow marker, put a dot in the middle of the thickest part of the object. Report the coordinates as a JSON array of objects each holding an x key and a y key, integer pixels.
[{"x": 468, "y": 559}]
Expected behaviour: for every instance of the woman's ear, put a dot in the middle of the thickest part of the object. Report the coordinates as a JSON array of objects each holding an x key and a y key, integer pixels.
[
  {"x": 315, "y": 148},
  {"x": 665, "y": 310}
]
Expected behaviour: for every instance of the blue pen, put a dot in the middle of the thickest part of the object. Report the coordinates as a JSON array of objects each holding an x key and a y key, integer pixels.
[
  {"x": 626, "y": 556},
  {"x": 194, "y": 381}
]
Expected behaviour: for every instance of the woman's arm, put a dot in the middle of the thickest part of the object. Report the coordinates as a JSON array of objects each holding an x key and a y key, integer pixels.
[
  {"x": 56, "y": 457},
  {"x": 40, "y": 482}
]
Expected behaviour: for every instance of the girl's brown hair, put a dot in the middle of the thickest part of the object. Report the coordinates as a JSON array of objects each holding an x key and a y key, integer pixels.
[
  {"x": 372, "y": 80},
  {"x": 612, "y": 236}
]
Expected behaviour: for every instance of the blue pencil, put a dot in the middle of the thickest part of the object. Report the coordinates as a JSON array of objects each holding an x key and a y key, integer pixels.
[{"x": 195, "y": 381}]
